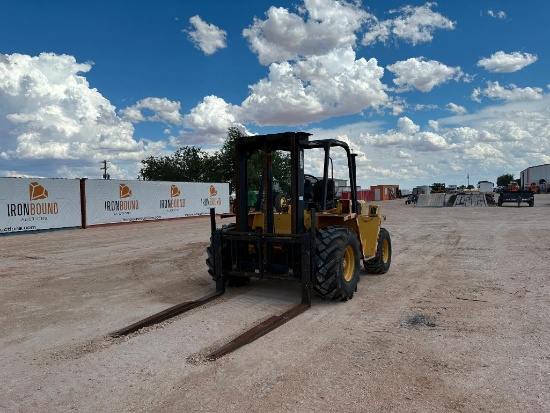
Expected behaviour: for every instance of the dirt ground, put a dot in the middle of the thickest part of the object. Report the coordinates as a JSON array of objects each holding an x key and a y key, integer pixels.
[{"x": 459, "y": 323}]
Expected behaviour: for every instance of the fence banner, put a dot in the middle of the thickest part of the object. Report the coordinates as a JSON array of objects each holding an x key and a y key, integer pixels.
[
  {"x": 114, "y": 201},
  {"x": 28, "y": 204}
]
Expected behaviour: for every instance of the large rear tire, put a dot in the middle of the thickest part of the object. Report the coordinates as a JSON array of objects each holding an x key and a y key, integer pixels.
[
  {"x": 338, "y": 263},
  {"x": 280, "y": 202},
  {"x": 380, "y": 264}
]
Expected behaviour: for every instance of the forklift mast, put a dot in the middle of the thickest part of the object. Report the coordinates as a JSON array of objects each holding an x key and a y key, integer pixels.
[{"x": 295, "y": 143}]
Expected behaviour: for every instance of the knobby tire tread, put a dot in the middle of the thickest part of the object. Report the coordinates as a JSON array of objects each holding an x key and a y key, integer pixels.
[
  {"x": 376, "y": 265},
  {"x": 329, "y": 282}
]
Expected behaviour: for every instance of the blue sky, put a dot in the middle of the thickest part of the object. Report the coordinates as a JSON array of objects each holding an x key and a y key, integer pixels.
[{"x": 424, "y": 92}]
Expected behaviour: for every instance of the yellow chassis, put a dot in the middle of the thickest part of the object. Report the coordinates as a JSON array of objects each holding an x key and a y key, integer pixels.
[{"x": 366, "y": 225}]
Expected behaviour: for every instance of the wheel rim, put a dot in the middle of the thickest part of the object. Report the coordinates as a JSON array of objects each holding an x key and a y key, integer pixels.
[
  {"x": 348, "y": 263},
  {"x": 385, "y": 251}
]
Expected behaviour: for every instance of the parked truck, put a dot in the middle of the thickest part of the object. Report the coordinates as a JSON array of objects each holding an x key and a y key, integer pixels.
[{"x": 485, "y": 187}]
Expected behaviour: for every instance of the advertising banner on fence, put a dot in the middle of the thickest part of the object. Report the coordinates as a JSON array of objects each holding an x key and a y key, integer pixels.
[
  {"x": 28, "y": 204},
  {"x": 113, "y": 201}
]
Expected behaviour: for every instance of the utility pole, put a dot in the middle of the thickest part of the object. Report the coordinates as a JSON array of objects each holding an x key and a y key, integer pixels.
[
  {"x": 104, "y": 169},
  {"x": 468, "y": 176}
]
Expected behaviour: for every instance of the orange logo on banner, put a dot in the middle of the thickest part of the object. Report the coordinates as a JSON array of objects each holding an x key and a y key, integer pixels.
[
  {"x": 37, "y": 191},
  {"x": 124, "y": 191},
  {"x": 174, "y": 191},
  {"x": 213, "y": 191}
]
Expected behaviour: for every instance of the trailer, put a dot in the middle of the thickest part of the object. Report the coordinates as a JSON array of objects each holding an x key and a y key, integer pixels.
[{"x": 513, "y": 194}]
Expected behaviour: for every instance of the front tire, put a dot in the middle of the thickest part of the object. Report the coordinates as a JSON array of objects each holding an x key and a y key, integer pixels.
[
  {"x": 210, "y": 262},
  {"x": 338, "y": 263},
  {"x": 226, "y": 253},
  {"x": 380, "y": 264}
]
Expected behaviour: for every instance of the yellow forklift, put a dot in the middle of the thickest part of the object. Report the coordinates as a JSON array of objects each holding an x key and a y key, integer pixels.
[{"x": 318, "y": 239}]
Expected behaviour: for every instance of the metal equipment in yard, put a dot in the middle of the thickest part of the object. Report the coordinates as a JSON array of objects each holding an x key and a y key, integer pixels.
[
  {"x": 437, "y": 188},
  {"x": 318, "y": 240},
  {"x": 514, "y": 194},
  {"x": 517, "y": 197},
  {"x": 411, "y": 199}
]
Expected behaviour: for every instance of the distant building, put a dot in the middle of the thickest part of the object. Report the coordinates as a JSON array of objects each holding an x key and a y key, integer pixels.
[
  {"x": 539, "y": 175},
  {"x": 384, "y": 192}
]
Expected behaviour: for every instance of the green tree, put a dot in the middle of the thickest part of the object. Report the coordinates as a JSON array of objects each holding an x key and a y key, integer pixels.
[
  {"x": 504, "y": 180},
  {"x": 190, "y": 164},
  {"x": 224, "y": 159},
  {"x": 187, "y": 164}
]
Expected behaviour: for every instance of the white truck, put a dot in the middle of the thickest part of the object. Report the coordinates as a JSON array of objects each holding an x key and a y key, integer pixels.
[{"x": 486, "y": 187}]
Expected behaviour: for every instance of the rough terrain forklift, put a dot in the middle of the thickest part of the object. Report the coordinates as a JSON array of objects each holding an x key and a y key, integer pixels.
[{"x": 316, "y": 239}]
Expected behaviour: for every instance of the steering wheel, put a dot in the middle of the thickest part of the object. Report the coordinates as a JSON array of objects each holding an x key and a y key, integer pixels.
[{"x": 311, "y": 179}]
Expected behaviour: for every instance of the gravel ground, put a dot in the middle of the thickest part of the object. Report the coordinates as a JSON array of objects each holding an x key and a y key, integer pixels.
[{"x": 459, "y": 323}]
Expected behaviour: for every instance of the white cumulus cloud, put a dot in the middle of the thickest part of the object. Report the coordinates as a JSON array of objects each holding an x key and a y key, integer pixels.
[
  {"x": 500, "y": 14},
  {"x": 433, "y": 124},
  {"x": 453, "y": 107},
  {"x": 49, "y": 111},
  {"x": 510, "y": 93},
  {"x": 209, "y": 121},
  {"x": 422, "y": 75},
  {"x": 324, "y": 86},
  {"x": 406, "y": 125},
  {"x": 388, "y": 139},
  {"x": 161, "y": 110},
  {"x": 205, "y": 36},
  {"x": 413, "y": 25},
  {"x": 429, "y": 142},
  {"x": 409, "y": 137},
  {"x": 501, "y": 62},
  {"x": 321, "y": 27},
  {"x": 404, "y": 155}
]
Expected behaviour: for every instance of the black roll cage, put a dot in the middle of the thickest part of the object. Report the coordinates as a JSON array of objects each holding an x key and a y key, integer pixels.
[{"x": 295, "y": 143}]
